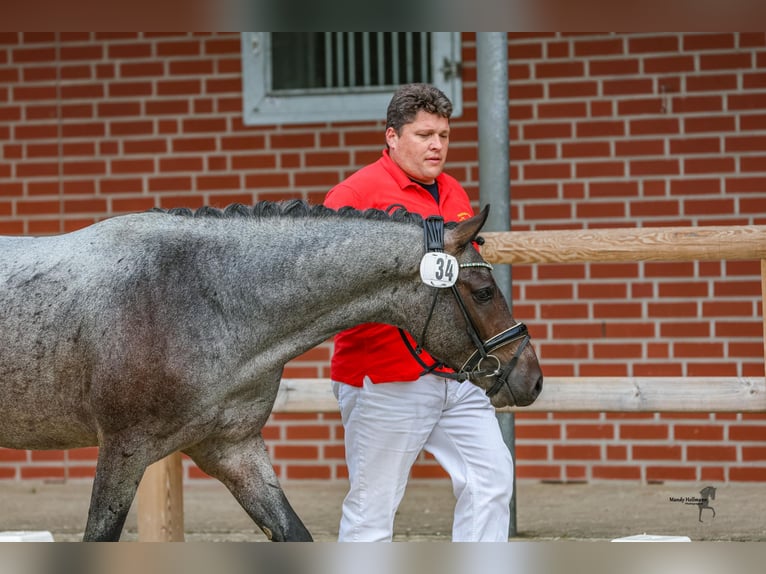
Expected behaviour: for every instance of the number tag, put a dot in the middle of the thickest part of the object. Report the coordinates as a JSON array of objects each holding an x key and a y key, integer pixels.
[{"x": 438, "y": 269}]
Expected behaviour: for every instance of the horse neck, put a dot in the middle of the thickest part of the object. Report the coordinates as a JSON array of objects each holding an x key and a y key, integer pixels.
[{"x": 326, "y": 275}]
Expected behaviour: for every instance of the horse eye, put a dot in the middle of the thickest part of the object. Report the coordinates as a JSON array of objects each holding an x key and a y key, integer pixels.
[{"x": 484, "y": 295}]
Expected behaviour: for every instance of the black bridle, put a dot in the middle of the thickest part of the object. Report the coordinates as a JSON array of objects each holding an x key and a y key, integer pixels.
[{"x": 476, "y": 365}]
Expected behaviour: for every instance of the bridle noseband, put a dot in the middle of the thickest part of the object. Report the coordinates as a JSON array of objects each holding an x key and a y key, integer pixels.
[{"x": 479, "y": 364}]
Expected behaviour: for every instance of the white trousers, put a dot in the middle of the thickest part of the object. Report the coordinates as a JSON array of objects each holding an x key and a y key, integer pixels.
[{"x": 388, "y": 424}]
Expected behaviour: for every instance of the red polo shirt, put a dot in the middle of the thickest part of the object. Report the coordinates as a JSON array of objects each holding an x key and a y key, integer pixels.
[{"x": 374, "y": 349}]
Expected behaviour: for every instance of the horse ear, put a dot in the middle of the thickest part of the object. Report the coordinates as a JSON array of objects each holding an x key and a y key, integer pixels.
[{"x": 466, "y": 231}]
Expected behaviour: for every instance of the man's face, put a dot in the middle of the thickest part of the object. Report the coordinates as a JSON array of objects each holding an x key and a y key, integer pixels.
[{"x": 421, "y": 149}]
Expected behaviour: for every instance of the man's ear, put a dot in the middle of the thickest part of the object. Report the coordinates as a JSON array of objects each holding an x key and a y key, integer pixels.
[{"x": 455, "y": 240}]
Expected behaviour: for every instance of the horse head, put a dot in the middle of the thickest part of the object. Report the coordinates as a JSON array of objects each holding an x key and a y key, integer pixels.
[{"x": 477, "y": 336}]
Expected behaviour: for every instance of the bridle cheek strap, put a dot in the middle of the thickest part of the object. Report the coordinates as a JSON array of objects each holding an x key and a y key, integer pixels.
[{"x": 433, "y": 239}]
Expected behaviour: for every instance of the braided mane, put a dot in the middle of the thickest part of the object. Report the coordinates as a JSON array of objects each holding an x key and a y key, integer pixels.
[{"x": 295, "y": 208}]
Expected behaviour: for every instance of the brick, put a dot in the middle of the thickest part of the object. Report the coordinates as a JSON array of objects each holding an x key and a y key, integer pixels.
[
  {"x": 585, "y": 149},
  {"x": 595, "y": 169},
  {"x": 756, "y": 205},
  {"x": 711, "y": 83},
  {"x": 303, "y": 432},
  {"x": 593, "y": 210},
  {"x": 705, "y": 432},
  {"x": 726, "y": 61},
  {"x": 600, "y": 128},
  {"x": 84, "y": 167},
  {"x": 130, "y": 50},
  {"x": 711, "y": 453},
  {"x": 604, "y": 290},
  {"x": 286, "y": 451},
  {"x": 615, "y": 472},
  {"x": 688, "y": 145},
  {"x": 663, "y": 473},
  {"x": 42, "y": 472},
  {"x": 708, "y": 206},
  {"x": 547, "y": 171},
  {"x": 640, "y": 106},
  {"x": 223, "y": 85},
  {"x": 694, "y": 104},
  {"x": 628, "y": 86},
  {"x": 564, "y": 351},
  {"x": 747, "y": 433},
  {"x": 589, "y": 431},
  {"x": 755, "y": 81},
  {"x": 656, "y": 452},
  {"x": 709, "y": 123},
  {"x": 644, "y": 45},
  {"x": 267, "y": 180},
  {"x": 161, "y": 184},
  {"x": 654, "y": 167},
  {"x": 643, "y": 431},
  {"x": 641, "y": 209},
  {"x": 708, "y": 41},
  {"x": 83, "y": 91},
  {"x": 616, "y": 310},
  {"x": 672, "y": 310},
  {"x": 576, "y": 452},
  {"x": 200, "y": 144},
  {"x": 563, "y": 89},
  {"x": 117, "y": 109},
  {"x": 614, "y": 67},
  {"x": 547, "y": 211},
  {"x": 547, "y": 131},
  {"x": 533, "y": 91},
  {"x": 191, "y": 67},
  {"x": 745, "y": 184},
  {"x": 654, "y": 126},
  {"x": 129, "y": 89},
  {"x": 188, "y": 87},
  {"x": 639, "y": 147},
  {"x": 751, "y": 101},
  {"x": 121, "y": 185},
  {"x": 747, "y": 474},
  {"x": 559, "y": 110},
  {"x": 559, "y": 69},
  {"x": 538, "y": 472},
  {"x": 538, "y": 431},
  {"x": 613, "y": 189},
  {"x": 166, "y": 107},
  {"x": 212, "y": 182},
  {"x": 525, "y": 51},
  {"x": 308, "y": 472},
  {"x": 33, "y": 55},
  {"x": 668, "y": 64},
  {"x": 13, "y": 455}
]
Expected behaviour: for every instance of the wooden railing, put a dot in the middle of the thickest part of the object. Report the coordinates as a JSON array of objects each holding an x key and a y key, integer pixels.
[{"x": 160, "y": 499}]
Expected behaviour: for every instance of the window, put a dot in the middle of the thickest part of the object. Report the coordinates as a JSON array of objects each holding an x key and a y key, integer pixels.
[{"x": 309, "y": 77}]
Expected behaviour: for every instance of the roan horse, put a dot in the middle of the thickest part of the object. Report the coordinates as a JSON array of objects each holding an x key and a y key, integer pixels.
[{"x": 150, "y": 333}]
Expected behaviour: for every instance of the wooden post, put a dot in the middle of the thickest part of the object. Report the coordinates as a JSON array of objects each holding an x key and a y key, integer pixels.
[
  {"x": 763, "y": 307},
  {"x": 160, "y": 502}
]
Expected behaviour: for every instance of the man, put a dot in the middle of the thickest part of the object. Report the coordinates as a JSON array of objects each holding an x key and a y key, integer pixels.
[{"x": 390, "y": 410}]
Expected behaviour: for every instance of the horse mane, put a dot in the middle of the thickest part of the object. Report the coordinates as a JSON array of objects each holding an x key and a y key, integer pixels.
[{"x": 296, "y": 208}]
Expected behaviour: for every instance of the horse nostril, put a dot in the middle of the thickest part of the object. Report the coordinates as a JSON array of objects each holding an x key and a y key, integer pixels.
[{"x": 538, "y": 386}]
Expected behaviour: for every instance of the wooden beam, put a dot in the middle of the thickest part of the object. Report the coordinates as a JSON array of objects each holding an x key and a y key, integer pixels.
[
  {"x": 714, "y": 243},
  {"x": 763, "y": 304},
  {"x": 585, "y": 394},
  {"x": 160, "y": 501}
]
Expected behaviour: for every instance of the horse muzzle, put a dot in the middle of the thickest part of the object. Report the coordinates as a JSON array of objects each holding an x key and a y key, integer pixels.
[{"x": 484, "y": 363}]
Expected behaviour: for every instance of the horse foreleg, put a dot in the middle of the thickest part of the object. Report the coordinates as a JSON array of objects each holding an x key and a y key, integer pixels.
[
  {"x": 114, "y": 488},
  {"x": 246, "y": 470}
]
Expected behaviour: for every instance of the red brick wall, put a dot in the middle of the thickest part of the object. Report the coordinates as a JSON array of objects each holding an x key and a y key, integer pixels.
[{"x": 607, "y": 131}]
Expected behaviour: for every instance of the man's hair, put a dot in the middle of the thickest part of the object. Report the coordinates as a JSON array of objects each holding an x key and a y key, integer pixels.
[{"x": 412, "y": 98}]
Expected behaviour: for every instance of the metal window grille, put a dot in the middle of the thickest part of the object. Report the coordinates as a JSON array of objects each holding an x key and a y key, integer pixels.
[
  {"x": 306, "y": 77},
  {"x": 332, "y": 61}
]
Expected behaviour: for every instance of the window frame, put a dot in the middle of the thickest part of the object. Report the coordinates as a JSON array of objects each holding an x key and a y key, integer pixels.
[{"x": 262, "y": 106}]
